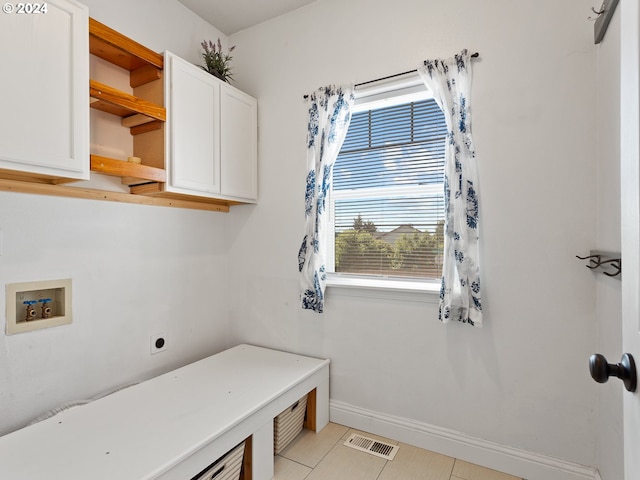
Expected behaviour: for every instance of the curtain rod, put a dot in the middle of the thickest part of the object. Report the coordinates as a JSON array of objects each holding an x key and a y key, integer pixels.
[{"x": 474, "y": 55}]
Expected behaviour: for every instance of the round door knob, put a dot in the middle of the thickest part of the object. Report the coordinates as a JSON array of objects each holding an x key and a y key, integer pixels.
[{"x": 625, "y": 370}]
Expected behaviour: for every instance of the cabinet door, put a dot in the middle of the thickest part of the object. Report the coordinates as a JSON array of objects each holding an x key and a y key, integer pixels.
[
  {"x": 44, "y": 89},
  {"x": 194, "y": 131},
  {"x": 238, "y": 144}
]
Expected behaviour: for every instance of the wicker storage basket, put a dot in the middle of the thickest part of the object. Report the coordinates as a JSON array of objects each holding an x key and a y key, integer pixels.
[
  {"x": 288, "y": 425},
  {"x": 226, "y": 468}
]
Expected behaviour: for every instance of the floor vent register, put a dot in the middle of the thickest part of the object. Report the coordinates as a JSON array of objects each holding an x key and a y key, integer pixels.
[{"x": 372, "y": 446}]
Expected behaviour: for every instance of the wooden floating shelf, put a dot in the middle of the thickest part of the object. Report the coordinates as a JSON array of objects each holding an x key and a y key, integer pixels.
[
  {"x": 135, "y": 120},
  {"x": 146, "y": 127},
  {"x": 131, "y": 173},
  {"x": 31, "y": 177},
  {"x": 88, "y": 193},
  {"x": 144, "y": 64},
  {"x": 156, "y": 190},
  {"x": 116, "y": 102}
]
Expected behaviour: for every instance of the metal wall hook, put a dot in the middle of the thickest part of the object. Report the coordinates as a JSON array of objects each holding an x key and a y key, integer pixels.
[
  {"x": 594, "y": 260},
  {"x": 610, "y": 263},
  {"x": 603, "y": 9},
  {"x": 616, "y": 263}
]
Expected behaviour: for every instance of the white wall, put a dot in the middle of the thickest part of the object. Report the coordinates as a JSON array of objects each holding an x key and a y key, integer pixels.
[
  {"x": 523, "y": 379},
  {"x": 608, "y": 320},
  {"x": 136, "y": 270}
]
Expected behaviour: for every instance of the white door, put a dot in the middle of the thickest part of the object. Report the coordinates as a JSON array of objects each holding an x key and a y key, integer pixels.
[{"x": 630, "y": 208}]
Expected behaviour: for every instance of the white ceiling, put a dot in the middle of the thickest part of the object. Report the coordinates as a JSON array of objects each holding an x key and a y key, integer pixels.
[{"x": 231, "y": 16}]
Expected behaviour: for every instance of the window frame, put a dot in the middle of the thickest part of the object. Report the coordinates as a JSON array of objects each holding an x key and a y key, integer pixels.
[{"x": 386, "y": 93}]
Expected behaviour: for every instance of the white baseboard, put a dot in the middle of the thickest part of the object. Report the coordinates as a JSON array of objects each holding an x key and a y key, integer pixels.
[{"x": 520, "y": 463}]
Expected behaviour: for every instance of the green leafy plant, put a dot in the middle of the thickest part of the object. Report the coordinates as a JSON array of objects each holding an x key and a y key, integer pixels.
[{"x": 215, "y": 61}]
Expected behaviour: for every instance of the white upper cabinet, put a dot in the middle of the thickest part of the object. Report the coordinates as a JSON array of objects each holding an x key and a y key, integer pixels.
[
  {"x": 44, "y": 91},
  {"x": 211, "y": 141},
  {"x": 238, "y": 143},
  {"x": 193, "y": 138}
]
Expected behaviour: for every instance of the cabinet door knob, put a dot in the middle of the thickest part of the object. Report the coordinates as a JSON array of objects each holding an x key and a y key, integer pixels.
[{"x": 625, "y": 370}]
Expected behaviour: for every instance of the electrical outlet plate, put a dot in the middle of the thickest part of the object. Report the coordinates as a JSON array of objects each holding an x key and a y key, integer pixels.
[
  {"x": 158, "y": 343},
  {"x": 59, "y": 293}
]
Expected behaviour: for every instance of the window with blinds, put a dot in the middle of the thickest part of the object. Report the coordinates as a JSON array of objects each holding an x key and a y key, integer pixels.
[{"x": 387, "y": 202}]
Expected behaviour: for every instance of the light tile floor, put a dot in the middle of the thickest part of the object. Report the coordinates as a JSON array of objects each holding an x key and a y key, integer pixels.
[{"x": 323, "y": 456}]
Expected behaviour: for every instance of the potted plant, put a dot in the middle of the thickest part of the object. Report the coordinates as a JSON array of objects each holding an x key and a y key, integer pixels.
[{"x": 215, "y": 61}]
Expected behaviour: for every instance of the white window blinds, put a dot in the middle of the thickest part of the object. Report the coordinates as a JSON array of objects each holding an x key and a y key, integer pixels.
[{"x": 388, "y": 201}]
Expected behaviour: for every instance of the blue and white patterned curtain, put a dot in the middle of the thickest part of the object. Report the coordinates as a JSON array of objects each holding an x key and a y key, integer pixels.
[
  {"x": 329, "y": 117},
  {"x": 450, "y": 82}
]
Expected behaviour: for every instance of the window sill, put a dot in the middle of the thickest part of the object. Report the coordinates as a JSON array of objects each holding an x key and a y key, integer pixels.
[{"x": 384, "y": 288}]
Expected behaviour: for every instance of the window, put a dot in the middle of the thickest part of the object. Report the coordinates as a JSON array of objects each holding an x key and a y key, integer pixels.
[{"x": 387, "y": 202}]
